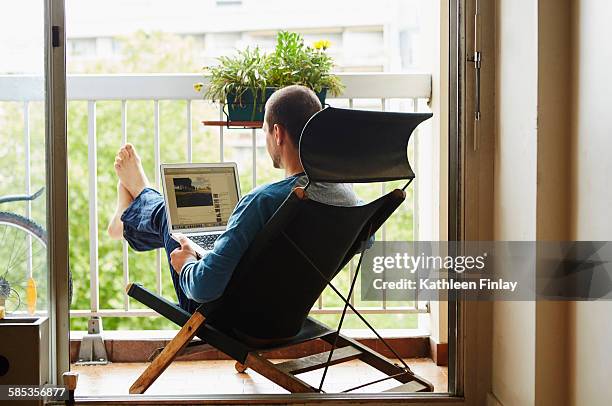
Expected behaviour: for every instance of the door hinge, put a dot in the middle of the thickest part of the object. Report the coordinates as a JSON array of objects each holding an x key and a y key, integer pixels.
[
  {"x": 477, "y": 61},
  {"x": 55, "y": 36}
]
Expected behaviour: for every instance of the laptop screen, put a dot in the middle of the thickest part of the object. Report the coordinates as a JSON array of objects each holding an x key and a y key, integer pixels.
[{"x": 200, "y": 197}]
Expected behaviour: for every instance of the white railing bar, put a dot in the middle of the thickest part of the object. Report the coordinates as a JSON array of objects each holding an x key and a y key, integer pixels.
[
  {"x": 415, "y": 188},
  {"x": 383, "y": 228},
  {"x": 351, "y": 264},
  {"x": 383, "y": 190},
  {"x": 156, "y": 143},
  {"x": 124, "y": 121},
  {"x": 180, "y": 86},
  {"x": 22, "y": 88},
  {"x": 28, "y": 179},
  {"x": 124, "y": 244},
  {"x": 333, "y": 310},
  {"x": 93, "y": 206},
  {"x": 126, "y": 275},
  {"x": 351, "y": 275},
  {"x": 369, "y": 310},
  {"x": 221, "y": 118},
  {"x": 113, "y": 313},
  {"x": 158, "y": 261},
  {"x": 389, "y": 85},
  {"x": 189, "y": 133},
  {"x": 415, "y": 191},
  {"x": 254, "y": 147}
]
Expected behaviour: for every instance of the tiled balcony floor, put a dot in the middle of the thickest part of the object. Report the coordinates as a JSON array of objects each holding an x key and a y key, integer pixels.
[{"x": 220, "y": 377}]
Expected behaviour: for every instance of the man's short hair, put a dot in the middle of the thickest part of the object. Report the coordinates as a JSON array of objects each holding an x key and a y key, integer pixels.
[{"x": 292, "y": 107}]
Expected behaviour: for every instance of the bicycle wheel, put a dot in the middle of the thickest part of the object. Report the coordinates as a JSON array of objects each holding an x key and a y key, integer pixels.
[
  {"x": 11, "y": 301},
  {"x": 18, "y": 257}
]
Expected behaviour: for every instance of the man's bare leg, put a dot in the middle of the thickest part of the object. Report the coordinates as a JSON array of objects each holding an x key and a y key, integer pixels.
[
  {"x": 124, "y": 199},
  {"x": 132, "y": 181},
  {"x": 129, "y": 170}
]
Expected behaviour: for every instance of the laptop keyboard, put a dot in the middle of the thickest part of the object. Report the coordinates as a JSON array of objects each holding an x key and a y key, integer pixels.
[{"x": 206, "y": 241}]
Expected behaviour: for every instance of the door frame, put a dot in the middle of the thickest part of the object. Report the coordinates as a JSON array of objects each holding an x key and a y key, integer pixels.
[
  {"x": 57, "y": 187},
  {"x": 469, "y": 322}
]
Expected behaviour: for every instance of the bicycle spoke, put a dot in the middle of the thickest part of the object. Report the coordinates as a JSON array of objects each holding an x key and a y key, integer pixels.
[
  {"x": 3, "y": 235},
  {"x": 24, "y": 251},
  {"x": 19, "y": 251},
  {"x": 12, "y": 250},
  {"x": 34, "y": 268},
  {"x": 2, "y": 244}
]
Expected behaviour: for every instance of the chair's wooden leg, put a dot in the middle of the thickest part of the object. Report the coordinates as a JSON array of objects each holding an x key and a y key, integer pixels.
[
  {"x": 161, "y": 362},
  {"x": 192, "y": 350},
  {"x": 266, "y": 368},
  {"x": 241, "y": 368},
  {"x": 70, "y": 381}
]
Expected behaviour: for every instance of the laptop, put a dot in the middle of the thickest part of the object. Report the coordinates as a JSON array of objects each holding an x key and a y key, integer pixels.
[{"x": 199, "y": 201}]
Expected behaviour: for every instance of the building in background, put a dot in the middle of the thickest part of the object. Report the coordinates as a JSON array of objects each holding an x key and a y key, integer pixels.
[{"x": 366, "y": 35}]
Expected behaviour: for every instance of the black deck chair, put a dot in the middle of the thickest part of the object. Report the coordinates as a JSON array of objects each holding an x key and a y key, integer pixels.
[{"x": 297, "y": 254}]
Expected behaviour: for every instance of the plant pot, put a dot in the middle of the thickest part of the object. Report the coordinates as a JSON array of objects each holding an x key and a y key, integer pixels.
[{"x": 251, "y": 108}]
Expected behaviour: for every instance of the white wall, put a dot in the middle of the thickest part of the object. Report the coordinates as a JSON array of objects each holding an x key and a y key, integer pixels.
[
  {"x": 432, "y": 164},
  {"x": 552, "y": 164},
  {"x": 590, "y": 326},
  {"x": 515, "y": 192}
]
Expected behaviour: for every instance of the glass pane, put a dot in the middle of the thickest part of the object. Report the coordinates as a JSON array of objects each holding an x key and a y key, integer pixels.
[{"x": 24, "y": 288}]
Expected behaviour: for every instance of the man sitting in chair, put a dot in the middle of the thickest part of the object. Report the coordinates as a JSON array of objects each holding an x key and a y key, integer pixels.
[{"x": 141, "y": 216}]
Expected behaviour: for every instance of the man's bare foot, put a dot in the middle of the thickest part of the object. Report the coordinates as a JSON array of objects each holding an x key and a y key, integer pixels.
[
  {"x": 129, "y": 170},
  {"x": 115, "y": 226}
]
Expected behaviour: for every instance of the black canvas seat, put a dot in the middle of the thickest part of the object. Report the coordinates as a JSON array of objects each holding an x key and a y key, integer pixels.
[
  {"x": 297, "y": 254},
  {"x": 230, "y": 342}
]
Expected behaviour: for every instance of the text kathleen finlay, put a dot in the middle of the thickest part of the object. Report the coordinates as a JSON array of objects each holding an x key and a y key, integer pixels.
[{"x": 445, "y": 284}]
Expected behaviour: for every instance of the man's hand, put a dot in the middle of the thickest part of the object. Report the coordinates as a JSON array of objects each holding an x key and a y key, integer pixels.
[{"x": 180, "y": 256}]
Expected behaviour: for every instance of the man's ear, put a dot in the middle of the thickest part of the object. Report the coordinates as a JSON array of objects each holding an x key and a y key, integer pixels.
[{"x": 279, "y": 134}]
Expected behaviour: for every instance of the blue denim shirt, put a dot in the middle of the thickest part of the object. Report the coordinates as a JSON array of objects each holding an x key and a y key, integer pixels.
[{"x": 206, "y": 279}]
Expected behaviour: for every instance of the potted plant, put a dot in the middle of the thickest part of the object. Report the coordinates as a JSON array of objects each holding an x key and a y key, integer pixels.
[{"x": 245, "y": 81}]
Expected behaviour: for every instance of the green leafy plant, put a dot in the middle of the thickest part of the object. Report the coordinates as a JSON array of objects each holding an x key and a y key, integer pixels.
[
  {"x": 235, "y": 75},
  {"x": 295, "y": 63},
  {"x": 252, "y": 71}
]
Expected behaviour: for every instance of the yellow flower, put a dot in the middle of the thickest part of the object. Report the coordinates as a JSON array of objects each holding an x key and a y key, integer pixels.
[
  {"x": 322, "y": 44},
  {"x": 198, "y": 86}
]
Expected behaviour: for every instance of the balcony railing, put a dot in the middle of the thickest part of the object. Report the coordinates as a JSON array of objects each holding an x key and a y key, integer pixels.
[{"x": 380, "y": 91}]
